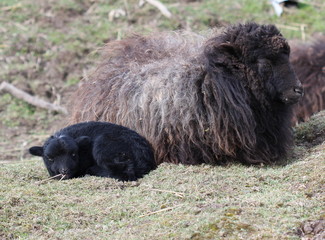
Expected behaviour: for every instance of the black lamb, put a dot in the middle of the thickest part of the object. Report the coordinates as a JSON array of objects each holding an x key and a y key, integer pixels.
[{"x": 99, "y": 149}]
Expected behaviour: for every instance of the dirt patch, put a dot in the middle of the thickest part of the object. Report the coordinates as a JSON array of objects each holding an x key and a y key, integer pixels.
[
  {"x": 41, "y": 60},
  {"x": 312, "y": 230}
]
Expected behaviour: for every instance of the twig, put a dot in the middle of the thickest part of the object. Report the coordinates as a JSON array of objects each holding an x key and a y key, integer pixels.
[
  {"x": 289, "y": 27},
  {"x": 303, "y": 35},
  {"x": 62, "y": 176},
  {"x": 91, "y": 9},
  {"x": 21, "y": 27},
  {"x": 31, "y": 99},
  {"x": 297, "y": 27},
  {"x": 313, "y": 4},
  {"x": 10, "y": 150},
  {"x": 126, "y": 6},
  {"x": 161, "y": 7},
  {"x": 159, "y": 211},
  {"x": 13, "y": 7},
  {"x": 16, "y": 161},
  {"x": 178, "y": 194}
]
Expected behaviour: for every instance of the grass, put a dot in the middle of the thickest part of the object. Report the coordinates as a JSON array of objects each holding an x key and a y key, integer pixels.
[
  {"x": 172, "y": 202},
  {"x": 18, "y": 110},
  {"x": 45, "y": 49}
]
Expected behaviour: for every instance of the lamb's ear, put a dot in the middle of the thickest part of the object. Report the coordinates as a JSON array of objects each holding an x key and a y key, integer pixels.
[
  {"x": 36, "y": 151},
  {"x": 83, "y": 141}
]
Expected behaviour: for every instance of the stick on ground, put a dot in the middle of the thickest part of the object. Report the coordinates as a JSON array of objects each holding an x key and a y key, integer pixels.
[
  {"x": 161, "y": 7},
  {"x": 47, "y": 179},
  {"x": 178, "y": 194},
  {"x": 161, "y": 210},
  {"x": 5, "y": 86}
]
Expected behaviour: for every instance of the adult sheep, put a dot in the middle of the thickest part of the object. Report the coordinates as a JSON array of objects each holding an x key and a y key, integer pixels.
[
  {"x": 226, "y": 97},
  {"x": 308, "y": 61}
]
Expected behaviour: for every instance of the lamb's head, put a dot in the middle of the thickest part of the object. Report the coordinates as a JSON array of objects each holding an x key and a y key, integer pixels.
[
  {"x": 61, "y": 155},
  {"x": 258, "y": 56}
]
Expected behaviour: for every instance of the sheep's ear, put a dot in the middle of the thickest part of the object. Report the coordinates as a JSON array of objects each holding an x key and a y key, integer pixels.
[
  {"x": 226, "y": 48},
  {"x": 224, "y": 86},
  {"x": 83, "y": 141},
  {"x": 220, "y": 54},
  {"x": 36, "y": 151}
]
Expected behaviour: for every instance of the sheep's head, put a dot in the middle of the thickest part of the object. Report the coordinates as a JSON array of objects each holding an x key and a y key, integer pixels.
[
  {"x": 61, "y": 155},
  {"x": 278, "y": 78},
  {"x": 258, "y": 56}
]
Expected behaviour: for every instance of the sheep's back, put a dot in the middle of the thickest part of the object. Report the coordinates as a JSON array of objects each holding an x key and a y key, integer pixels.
[{"x": 151, "y": 85}]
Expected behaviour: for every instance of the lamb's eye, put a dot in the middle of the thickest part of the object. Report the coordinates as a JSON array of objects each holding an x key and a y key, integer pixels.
[
  {"x": 73, "y": 154},
  {"x": 48, "y": 158}
]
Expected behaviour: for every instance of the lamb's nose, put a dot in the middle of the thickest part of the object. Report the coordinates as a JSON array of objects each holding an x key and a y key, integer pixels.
[
  {"x": 299, "y": 90},
  {"x": 64, "y": 171}
]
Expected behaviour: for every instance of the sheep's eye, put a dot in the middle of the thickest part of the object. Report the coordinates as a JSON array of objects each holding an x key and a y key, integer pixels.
[
  {"x": 73, "y": 154},
  {"x": 264, "y": 67}
]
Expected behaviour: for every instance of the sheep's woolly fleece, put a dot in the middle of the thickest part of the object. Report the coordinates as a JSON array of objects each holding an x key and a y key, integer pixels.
[{"x": 215, "y": 98}]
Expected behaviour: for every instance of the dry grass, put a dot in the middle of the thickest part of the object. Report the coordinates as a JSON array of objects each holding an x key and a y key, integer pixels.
[
  {"x": 46, "y": 48},
  {"x": 172, "y": 202}
]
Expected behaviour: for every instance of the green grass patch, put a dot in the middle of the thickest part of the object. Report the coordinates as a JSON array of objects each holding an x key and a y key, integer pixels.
[
  {"x": 72, "y": 81},
  {"x": 16, "y": 111}
]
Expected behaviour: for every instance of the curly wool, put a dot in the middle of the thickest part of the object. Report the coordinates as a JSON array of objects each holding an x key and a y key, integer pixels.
[
  {"x": 308, "y": 61},
  {"x": 169, "y": 88}
]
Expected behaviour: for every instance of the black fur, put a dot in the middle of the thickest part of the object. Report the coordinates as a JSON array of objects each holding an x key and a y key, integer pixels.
[{"x": 99, "y": 149}]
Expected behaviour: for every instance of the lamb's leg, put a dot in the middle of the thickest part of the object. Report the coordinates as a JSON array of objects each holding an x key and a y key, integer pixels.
[
  {"x": 115, "y": 156},
  {"x": 99, "y": 171},
  {"x": 124, "y": 171},
  {"x": 113, "y": 171}
]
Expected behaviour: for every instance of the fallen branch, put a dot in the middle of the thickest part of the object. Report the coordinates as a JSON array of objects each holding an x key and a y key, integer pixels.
[
  {"x": 161, "y": 7},
  {"x": 31, "y": 99}
]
